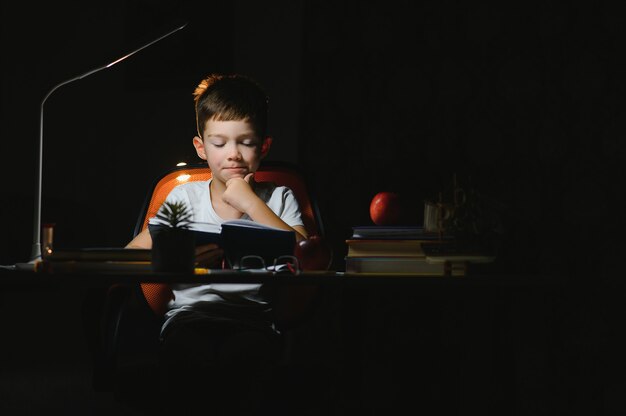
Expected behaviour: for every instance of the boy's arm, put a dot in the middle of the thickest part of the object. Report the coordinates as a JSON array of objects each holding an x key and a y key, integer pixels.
[
  {"x": 260, "y": 212},
  {"x": 141, "y": 240},
  {"x": 239, "y": 194}
]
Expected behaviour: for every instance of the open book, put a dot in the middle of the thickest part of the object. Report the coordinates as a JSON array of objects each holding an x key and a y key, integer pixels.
[{"x": 239, "y": 238}]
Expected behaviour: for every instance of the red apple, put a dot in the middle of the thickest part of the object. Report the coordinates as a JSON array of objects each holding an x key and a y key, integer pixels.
[
  {"x": 313, "y": 253},
  {"x": 386, "y": 208}
]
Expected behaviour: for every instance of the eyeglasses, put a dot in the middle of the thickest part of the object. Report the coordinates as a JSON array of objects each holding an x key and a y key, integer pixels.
[{"x": 282, "y": 265}]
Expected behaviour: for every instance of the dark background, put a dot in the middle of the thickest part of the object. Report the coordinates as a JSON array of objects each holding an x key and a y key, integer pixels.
[{"x": 523, "y": 100}]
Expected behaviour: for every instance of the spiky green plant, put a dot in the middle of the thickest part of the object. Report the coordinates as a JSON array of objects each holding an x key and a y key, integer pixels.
[{"x": 175, "y": 214}]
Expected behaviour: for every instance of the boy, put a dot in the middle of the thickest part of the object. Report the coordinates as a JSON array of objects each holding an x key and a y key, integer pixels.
[{"x": 218, "y": 337}]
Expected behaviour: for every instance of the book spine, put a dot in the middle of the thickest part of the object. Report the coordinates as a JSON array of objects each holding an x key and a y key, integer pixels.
[{"x": 376, "y": 248}]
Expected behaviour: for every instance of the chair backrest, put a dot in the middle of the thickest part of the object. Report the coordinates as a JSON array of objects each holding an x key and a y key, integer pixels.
[{"x": 281, "y": 173}]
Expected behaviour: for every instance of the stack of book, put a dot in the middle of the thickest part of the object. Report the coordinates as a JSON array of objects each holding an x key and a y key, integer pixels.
[
  {"x": 408, "y": 251},
  {"x": 98, "y": 259}
]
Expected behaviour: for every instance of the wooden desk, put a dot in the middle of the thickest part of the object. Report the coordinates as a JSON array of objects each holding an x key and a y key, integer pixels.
[{"x": 24, "y": 279}]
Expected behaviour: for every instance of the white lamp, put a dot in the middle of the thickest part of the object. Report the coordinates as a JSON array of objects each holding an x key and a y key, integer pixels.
[{"x": 36, "y": 247}]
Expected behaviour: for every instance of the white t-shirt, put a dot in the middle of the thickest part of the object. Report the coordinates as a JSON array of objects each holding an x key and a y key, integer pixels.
[{"x": 220, "y": 301}]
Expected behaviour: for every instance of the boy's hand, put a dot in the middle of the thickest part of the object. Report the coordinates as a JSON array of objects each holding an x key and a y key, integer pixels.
[
  {"x": 239, "y": 193},
  {"x": 209, "y": 255}
]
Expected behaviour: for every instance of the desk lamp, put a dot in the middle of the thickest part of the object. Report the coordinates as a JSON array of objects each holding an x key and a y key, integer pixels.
[{"x": 36, "y": 247}]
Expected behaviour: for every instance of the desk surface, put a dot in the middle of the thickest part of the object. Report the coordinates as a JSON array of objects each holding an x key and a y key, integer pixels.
[{"x": 21, "y": 278}]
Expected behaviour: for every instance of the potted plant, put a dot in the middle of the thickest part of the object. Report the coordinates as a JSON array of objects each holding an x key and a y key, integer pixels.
[
  {"x": 477, "y": 220},
  {"x": 173, "y": 243}
]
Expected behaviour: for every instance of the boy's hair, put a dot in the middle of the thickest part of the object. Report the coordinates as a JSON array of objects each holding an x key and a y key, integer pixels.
[{"x": 231, "y": 98}]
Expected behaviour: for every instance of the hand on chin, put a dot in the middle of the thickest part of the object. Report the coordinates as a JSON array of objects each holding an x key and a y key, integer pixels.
[
  {"x": 239, "y": 193},
  {"x": 234, "y": 175}
]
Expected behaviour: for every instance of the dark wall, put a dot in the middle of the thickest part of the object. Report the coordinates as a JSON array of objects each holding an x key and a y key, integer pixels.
[{"x": 521, "y": 102}]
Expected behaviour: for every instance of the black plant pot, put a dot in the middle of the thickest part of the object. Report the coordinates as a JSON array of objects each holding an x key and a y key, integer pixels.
[{"x": 173, "y": 250}]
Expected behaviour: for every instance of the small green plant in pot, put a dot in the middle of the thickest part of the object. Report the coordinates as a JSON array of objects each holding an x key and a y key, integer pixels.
[{"x": 173, "y": 243}]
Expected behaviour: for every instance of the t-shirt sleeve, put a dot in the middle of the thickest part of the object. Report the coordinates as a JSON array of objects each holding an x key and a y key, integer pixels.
[{"x": 290, "y": 212}]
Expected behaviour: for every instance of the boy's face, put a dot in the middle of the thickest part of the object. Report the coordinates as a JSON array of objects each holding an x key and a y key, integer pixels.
[{"x": 231, "y": 148}]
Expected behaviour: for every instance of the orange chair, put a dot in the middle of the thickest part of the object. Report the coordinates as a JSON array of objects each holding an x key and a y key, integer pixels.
[
  {"x": 134, "y": 316},
  {"x": 283, "y": 174}
]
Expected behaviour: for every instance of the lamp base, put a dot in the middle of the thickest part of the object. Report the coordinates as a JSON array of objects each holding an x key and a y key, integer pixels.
[{"x": 30, "y": 266}]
